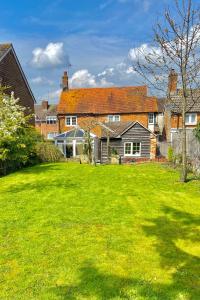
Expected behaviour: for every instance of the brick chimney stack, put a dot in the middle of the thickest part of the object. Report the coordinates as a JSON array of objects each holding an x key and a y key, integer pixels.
[
  {"x": 45, "y": 104},
  {"x": 65, "y": 82},
  {"x": 172, "y": 82}
]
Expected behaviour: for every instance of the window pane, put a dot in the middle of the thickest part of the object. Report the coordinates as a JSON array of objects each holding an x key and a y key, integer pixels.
[
  {"x": 187, "y": 118},
  {"x": 110, "y": 118},
  {"x": 193, "y": 118},
  {"x": 117, "y": 118},
  {"x": 128, "y": 148},
  {"x": 68, "y": 119},
  {"x": 151, "y": 118},
  {"x": 73, "y": 120},
  {"x": 136, "y": 148}
]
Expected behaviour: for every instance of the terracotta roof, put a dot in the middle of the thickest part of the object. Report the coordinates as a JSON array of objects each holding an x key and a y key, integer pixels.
[
  {"x": 41, "y": 113},
  {"x": 106, "y": 101},
  {"x": 4, "y": 48}
]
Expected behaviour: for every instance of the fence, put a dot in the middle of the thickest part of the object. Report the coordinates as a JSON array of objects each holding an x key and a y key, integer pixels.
[{"x": 192, "y": 146}]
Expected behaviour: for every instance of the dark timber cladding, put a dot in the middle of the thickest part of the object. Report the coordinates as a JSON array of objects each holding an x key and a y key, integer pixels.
[
  {"x": 11, "y": 75},
  {"x": 136, "y": 133}
]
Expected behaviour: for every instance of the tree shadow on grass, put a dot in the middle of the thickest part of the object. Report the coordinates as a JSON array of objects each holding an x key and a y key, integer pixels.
[
  {"x": 93, "y": 284},
  {"x": 41, "y": 185},
  {"x": 171, "y": 229}
]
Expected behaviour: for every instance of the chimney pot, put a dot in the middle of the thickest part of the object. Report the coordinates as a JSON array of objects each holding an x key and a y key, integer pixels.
[
  {"x": 65, "y": 81},
  {"x": 172, "y": 82}
]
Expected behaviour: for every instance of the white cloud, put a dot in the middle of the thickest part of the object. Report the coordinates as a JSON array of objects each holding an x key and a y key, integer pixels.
[
  {"x": 144, "y": 49},
  {"x": 41, "y": 80},
  {"x": 51, "y": 56},
  {"x": 83, "y": 78}
]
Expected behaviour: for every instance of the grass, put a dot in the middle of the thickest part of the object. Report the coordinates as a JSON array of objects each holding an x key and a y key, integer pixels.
[{"x": 70, "y": 231}]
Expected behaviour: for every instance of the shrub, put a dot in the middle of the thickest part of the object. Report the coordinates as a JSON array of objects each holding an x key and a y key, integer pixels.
[
  {"x": 48, "y": 152},
  {"x": 170, "y": 154},
  {"x": 197, "y": 132}
]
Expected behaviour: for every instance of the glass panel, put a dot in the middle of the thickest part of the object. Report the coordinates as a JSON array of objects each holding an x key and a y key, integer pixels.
[
  {"x": 79, "y": 149},
  {"x": 128, "y": 148},
  {"x": 117, "y": 118}
]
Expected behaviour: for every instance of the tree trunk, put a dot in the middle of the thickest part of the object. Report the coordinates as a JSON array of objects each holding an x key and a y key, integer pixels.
[
  {"x": 108, "y": 147},
  {"x": 183, "y": 177}
]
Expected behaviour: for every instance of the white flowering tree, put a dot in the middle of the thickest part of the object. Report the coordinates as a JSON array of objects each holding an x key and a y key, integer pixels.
[{"x": 16, "y": 136}]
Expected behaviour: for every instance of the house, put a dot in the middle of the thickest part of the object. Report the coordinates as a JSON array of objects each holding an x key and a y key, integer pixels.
[
  {"x": 130, "y": 117},
  {"x": 115, "y": 104},
  {"x": 46, "y": 121},
  {"x": 12, "y": 76}
]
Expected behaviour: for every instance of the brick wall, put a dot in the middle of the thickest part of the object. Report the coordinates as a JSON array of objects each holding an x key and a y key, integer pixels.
[{"x": 140, "y": 117}]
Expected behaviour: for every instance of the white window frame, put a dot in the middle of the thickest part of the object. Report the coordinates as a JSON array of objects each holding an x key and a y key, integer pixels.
[
  {"x": 191, "y": 123},
  {"x": 51, "y": 118},
  {"x": 112, "y": 118},
  {"x": 131, "y": 154},
  {"x": 154, "y": 119},
  {"x": 71, "y": 123}
]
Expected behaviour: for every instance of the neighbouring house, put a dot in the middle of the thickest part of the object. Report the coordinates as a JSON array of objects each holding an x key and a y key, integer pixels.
[
  {"x": 127, "y": 114},
  {"x": 172, "y": 132},
  {"x": 173, "y": 117},
  {"x": 12, "y": 76},
  {"x": 46, "y": 121}
]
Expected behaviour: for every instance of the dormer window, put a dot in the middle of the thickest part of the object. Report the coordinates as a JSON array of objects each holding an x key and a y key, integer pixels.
[
  {"x": 71, "y": 121},
  {"x": 113, "y": 118},
  {"x": 51, "y": 119}
]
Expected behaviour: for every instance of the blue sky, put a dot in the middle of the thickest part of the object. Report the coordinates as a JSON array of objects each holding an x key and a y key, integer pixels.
[{"x": 94, "y": 36}]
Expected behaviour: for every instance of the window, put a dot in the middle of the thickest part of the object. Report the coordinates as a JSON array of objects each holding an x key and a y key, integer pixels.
[
  {"x": 113, "y": 118},
  {"x": 151, "y": 118},
  {"x": 132, "y": 149},
  {"x": 71, "y": 121},
  {"x": 51, "y": 119},
  {"x": 128, "y": 148},
  {"x": 191, "y": 119},
  {"x": 51, "y": 135}
]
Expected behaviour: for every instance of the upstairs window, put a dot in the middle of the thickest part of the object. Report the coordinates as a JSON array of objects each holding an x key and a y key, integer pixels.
[
  {"x": 152, "y": 119},
  {"x": 51, "y": 119},
  {"x": 113, "y": 118},
  {"x": 71, "y": 121},
  {"x": 191, "y": 119}
]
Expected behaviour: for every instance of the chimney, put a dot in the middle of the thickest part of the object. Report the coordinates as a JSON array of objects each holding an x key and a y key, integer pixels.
[
  {"x": 65, "y": 82},
  {"x": 45, "y": 104},
  {"x": 172, "y": 82}
]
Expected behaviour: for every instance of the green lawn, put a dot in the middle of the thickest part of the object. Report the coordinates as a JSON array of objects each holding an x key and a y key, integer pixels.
[{"x": 70, "y": 231}]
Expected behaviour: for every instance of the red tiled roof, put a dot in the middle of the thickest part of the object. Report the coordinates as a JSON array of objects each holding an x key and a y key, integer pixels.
[{"x": 107, "y": 101}]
